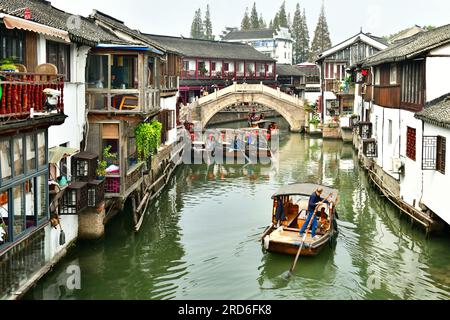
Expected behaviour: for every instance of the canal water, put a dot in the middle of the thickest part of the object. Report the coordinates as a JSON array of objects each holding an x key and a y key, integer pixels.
[{"x": 200, "y": 240}]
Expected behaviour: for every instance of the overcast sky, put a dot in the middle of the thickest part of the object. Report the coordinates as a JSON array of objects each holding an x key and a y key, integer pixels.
[{"x": 345, "y": 17}]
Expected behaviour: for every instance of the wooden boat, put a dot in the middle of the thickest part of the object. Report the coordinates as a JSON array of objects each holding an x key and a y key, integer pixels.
[{"x": 286, "y": 238}]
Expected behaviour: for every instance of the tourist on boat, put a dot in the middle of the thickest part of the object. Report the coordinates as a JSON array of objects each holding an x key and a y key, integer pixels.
[
  {"x": 279, "y": 215},
  {"x": 314, "y": 200}
]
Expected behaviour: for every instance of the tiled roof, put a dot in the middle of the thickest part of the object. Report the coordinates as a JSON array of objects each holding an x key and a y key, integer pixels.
[
  {"x": 250, "y": 34},
  {"x": 208, "y": 49},
  {"x": 288, "y": 70},
  {"x": 117, "y": 25},
  {"x": 412, "y": 47},
  {"x": 44, "y": 13},
  {"x": 437, "y": 112}
]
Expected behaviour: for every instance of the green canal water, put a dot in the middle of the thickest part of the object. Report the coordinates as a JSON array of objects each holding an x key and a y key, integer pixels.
[{"x": 200, "y": 240}]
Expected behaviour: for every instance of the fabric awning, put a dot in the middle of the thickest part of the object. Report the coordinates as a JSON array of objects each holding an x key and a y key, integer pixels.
[
  {"x": 55, "y": 154},
  {"x": 12, "y": 22}
]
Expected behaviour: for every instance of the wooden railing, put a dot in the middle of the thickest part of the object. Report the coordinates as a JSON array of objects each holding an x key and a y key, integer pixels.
[
  {"x": 22, "y": 92},
  {"x": 122, "y": 100},
  {"x": 169, "y": 82},
  {"x": 387, "y": 96}
]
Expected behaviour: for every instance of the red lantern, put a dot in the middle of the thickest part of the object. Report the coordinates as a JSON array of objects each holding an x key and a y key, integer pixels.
[
  {"x": 364, "y": 72},
  {"x": 27, "y": 14}
]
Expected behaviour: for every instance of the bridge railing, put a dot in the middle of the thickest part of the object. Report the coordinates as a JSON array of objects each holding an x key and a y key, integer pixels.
[{"x": 250, "y": 88}]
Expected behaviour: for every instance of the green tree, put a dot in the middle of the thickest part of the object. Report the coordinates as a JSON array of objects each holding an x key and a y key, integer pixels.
[
  {"x": 296, "y": 34},
  {"x": 197, "y": 26},
  {"x": 271, "y": 25},
  {"x": 304, "y": 36},
  {"x": 254, "y": 20},
  {"x": 246, "y": 24},
  {"x": 282, "y": 17},
  {"x": 321, "y": 40},
  {"x": 208, "y": 25},
  {"x": 276, "y": 22},
  {"x": 262, "y": 22}
]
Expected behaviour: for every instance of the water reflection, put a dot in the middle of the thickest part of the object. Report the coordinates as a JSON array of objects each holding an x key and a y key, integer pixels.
[{"x": 200, "y": 240}]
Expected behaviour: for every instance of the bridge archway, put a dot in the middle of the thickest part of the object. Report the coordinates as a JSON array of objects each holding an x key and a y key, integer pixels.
[{"x": 289, "y": 107}]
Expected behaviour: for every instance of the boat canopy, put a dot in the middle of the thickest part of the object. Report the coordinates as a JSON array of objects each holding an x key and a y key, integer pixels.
[{"x": 305, "y": 189}]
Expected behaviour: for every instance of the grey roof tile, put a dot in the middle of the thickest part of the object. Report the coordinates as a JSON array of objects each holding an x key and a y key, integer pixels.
[
  {"x": 437, "y": 112},
  {"x": 412, "y": 47}
]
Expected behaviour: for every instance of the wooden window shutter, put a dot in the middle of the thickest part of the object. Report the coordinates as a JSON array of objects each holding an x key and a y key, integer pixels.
[
  {"x": 440, "y": 156},
  {"x": 110, "y": 131}
]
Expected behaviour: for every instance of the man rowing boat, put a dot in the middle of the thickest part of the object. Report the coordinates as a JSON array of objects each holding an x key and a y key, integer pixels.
[{"x": 314, "y": 200}]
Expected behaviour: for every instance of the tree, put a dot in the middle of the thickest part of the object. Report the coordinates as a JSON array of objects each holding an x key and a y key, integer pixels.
[
  {"x": 276, "y": 22},
  {"x": 262, "y": 22},
  {"x": 304, "y": 36},
  {"x": 245, "y": 24},
  {"x": 321, "y": 40},
  {"x": 296, "y": 34},
  {"x": 271, "y": 25},
  {"x": 197, "y": 26},
  {"x": 254, "y": 21},
  {"x": 208, "y": 25},
  {"x": 289, "y": 21},
  {"x": 282, "y": 17}
]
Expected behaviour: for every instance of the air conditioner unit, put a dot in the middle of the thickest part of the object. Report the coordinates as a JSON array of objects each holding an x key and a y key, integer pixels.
[{"x": 397, "y": 165}]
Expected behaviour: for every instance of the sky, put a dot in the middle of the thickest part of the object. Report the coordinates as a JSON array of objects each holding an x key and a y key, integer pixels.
[{"x": 345, "y": 17}]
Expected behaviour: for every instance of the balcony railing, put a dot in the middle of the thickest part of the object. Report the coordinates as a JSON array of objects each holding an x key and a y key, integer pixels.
[
  {"x": 126, "y": 100},
  {"x": 21, "y": 92},
  {"x": 169, "y": 83},
  {"x": 335, "y": 86}
]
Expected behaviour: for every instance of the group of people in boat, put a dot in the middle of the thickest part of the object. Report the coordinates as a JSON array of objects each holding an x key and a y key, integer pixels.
[{"x": 252, "y": 117}]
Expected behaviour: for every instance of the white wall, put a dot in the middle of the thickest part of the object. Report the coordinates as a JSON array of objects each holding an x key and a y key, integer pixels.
[
  {"x": 436, "y": 184},
  {"x": 410, "y": 188},
  {"x": 69, "y": 225},
  {"x": 437, "y": 71}
]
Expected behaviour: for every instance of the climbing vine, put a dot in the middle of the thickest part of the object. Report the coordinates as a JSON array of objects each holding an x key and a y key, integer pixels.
[{"x": 148, "y": 138}]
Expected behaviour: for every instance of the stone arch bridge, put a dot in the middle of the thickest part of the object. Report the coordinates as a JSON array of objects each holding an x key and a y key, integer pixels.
[{"x": 289, "y": 107}]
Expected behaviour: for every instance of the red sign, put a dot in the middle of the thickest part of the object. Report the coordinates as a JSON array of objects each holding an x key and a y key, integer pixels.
[{"x": 27, "y": 14}]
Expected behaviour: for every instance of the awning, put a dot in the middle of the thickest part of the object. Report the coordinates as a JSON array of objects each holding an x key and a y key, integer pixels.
[
  {"x": 129, "y": 47},
  {"x": 55, "y": 154},
  {"x": 12, "y": 22}
]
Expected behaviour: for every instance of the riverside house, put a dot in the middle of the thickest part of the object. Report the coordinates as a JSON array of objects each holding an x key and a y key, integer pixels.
[
  {"x": 338, "y": 95},
  {"x": 406, "y": 90},
  {"x": 38, "y": 134}
]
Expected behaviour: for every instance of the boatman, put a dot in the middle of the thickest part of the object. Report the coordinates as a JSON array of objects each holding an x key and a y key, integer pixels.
[{"x": 314, "y": 200}]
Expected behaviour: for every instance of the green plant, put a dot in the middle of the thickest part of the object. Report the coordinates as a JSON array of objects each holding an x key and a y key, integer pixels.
[
  {"x": 7, "y": 64},
  {"x": 108, "y": 156},
  {"x": 101, "y": 168},
  {"x": 148, "y": 138}
]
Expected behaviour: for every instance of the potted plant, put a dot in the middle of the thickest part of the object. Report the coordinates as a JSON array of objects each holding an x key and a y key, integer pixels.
[
  {"x": 108, "y": 157},
  {"x": 101, "y": 169},
  {"x": 7, "y": 65}
]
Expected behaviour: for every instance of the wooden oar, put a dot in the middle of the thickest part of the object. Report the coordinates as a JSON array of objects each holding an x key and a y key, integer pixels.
[{"x": 291, "y": 270}]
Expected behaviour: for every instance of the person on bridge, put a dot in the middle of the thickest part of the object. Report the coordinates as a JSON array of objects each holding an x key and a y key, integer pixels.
[{"x": 314, "y": 200}]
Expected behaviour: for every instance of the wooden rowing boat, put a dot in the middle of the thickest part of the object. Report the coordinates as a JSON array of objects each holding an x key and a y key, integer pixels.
[{"x": 285, "y": 238}]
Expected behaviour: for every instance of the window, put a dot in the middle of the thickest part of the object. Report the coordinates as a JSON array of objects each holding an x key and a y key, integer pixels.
[
  {"x": 4, "y": 213},
  {"x": 377, "y": 76},
  {"x": 185, "y": 65},
  {"x": 5, "y": 159},
  {"x": 18, "y": 156},
  {"x": 412, "y": 84},
  {"x": 42, "y": 152},
  {"x": 393, "y": 74},
  {"x": 226, "y": 66},
  {"x": 29, "y": 204},
  {"x": 12, "y": 44},
  {"x": 433, "y": 153},
  {"x": 41, "y": 198},
  {"x": 124, "y": 73},
  {"x": 59, "y": 55},
  {"x": 97, "y": 71},
  {"x": 390, "y": 132},
  {"x": 411, "y": 143},
  {"x": 31, "y": 152},
  {"x": 19, "y": 210}
]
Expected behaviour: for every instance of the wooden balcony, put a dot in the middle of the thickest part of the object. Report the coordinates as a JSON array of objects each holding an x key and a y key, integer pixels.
[
  {"x": 122, "y": 101},
  {"x": 387, "y": 96},
  {"x": 169, "y": 83},
  {"x": 22, "y": 92},
  {"x": 335, "y": 86},
  {"x": 122, "y": 185}
]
